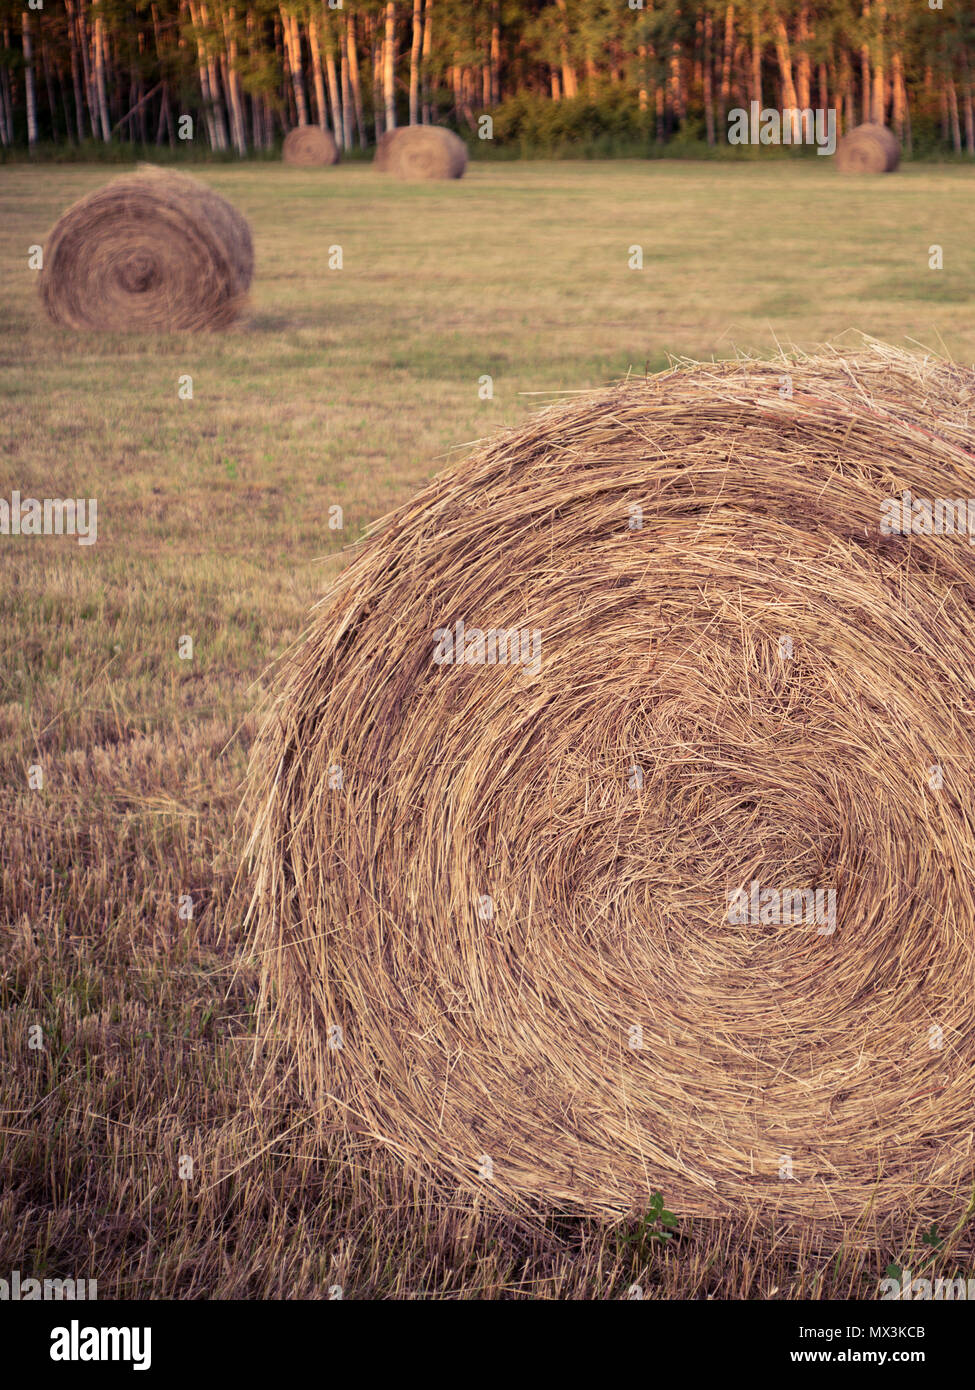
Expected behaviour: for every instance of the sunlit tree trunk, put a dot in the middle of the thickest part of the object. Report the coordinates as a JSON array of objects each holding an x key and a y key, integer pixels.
[
  {"x": 347, "y": 117},
  {"x": 756, "y": 57},
  {"x": 292, "y": 43},
  {"x": 389, "y": 65},
  {"x": 879, "y": 102},
  {"x": 317, "y": 72},
  {"x": 334, "y": 94},
  {"x": 953, "y": 113},
  {"x": 495, "y": 53},
  {"x": 354, "y": 79},
  {"x": 257, "y": 113},
  {"x": 707, "y": 80},
  {"x": 898, "y": 95},
  {"x": 378, "y": 113},
  {"x": 570, "y": 84},
  {"x": 803, "y": 60},
  {"x": 100, "y": 89},
  {"x": 415, "y": 49},
  {"x": 426, "y": 62},
  {"x": 729, "y": 48},
  {"x": 678, "y": 102},
  {"x": 234, "y": 94},
  {"x": 204, "y": 77},
  {"x": 865, "y": 91},
  {"x": 789, "y": 99}
]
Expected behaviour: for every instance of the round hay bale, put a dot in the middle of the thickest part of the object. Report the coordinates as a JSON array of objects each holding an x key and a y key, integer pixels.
[
  {"x": 151, "y": 251},
  {"x": 612, "y": 824},
  {"x": 868, "y": 149},
  {"x": 309, "y": 146},
  {"x": 421, "y": 152}
]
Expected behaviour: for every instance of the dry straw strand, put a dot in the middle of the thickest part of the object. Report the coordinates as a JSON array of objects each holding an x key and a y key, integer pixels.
[
  {"x": 421, "y": 152},
  {"x": 868, "y": 149},
  {"x": 526, "y": 945},
  {"x": 308, "y": 146},
  {"x": 151, "y": 251}
]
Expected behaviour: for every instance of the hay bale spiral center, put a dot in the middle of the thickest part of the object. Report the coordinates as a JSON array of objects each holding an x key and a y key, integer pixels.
[{"x": 151, "y": 251}]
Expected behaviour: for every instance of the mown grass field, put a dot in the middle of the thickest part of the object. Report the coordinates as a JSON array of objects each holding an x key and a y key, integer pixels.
[{"x": 340, "y": 387}]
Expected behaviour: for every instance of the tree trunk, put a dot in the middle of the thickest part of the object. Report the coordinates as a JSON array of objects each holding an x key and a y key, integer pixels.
[
  {"x": 317, "y": 72},
  {"x": 756, "y": 59},
  {"x": 378, "y": 113},
  {"x": 5, "y": 96},
  {"x": 878, "y": 105},
  {"x": 415, "y": 49},
  {"x": 389, "y": 65},
  {"x": 455, "y": 87},
  {"x": 677, "y": 101},
  {"x": 234, "y": 92},
  {"x": 99, "y": 42},
  {"x": 89, "y": 76},
  {"x": 846, "y": 88},
  {"x": 729, "y": 46},
  {"x": 865, "y": 94},
  {"x": 803, "y": 60},
  {"x": 257, "y": 115},
  {"x": 347, "y": 118},
  {"x": 495, "y": 53},
  {"x": 79, "y": 104},
  {"x": 204, "y": 77},
  {"x": 29, "y": 93},
  {"x": 292, "y": 42},
  {"x": 570, "y": 84},
  {"x": 426, "y": 61},
  {"x": 789, "y": 99},
  {"x": 165, "y": 126},
  {"x": 708, "y": 88},
  {"x": 897, "y": 95},
  {"x": 342, "y": 137},
  {"x": 354, "y": 80},
  {"x": 953, "y": 113}
]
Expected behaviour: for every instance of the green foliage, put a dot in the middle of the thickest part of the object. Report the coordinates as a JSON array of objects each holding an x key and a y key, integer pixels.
[
  {"x": 656, "y": 1227},
  {"x": 584, "y": 124}
]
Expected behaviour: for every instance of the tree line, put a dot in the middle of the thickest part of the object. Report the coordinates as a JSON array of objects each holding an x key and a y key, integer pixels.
[{"x": 238, "y": 75}]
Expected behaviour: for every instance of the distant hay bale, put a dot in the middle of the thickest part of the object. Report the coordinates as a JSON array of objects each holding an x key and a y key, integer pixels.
[
  {"x": 150, "y": 251},
  {"x": 421, "y": 152},
  {"x": 869, "y": 149},
  {"x": 308, "y": 146},
  {"x": 612, "y": 825}
]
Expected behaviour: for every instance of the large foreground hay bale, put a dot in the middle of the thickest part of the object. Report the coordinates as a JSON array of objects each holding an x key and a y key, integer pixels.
[
  {"x": 309, "y": 146},
  {"x": 150, "y": 251},
  {"x": 514, "y": 887},
  {"x": 868, "y": 149},
  {"x": 421, "y": 152}
]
